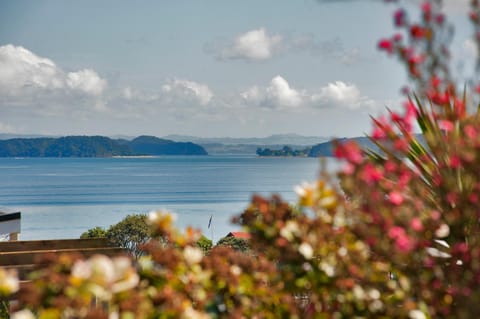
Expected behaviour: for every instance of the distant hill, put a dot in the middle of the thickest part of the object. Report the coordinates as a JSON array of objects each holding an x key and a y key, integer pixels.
[
  {"x": 326, "y": 149},
  {"x": 279, "y": 139},
  {"x": 94, "y": 146},
  {"x": 151, "y": 145}
]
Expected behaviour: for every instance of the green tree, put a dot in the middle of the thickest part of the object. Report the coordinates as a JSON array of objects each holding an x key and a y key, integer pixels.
[
  {"x": 97, "y": 232},
  {"x": 130, "y": 233},
  {"x": 205, "y": 244}
]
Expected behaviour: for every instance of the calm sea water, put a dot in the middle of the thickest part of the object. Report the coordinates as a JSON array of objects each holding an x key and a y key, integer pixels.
[{"x": 63, "y": 197}]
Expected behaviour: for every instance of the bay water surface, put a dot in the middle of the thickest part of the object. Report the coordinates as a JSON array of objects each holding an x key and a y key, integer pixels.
[{"x": 63, "y": 197}]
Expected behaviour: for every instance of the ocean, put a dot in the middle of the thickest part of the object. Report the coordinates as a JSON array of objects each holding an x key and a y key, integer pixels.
[{"x": 63, "y": 197}]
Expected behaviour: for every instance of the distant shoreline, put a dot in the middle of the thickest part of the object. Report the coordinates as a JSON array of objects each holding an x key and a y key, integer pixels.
[{"x": 133, "y": 156}]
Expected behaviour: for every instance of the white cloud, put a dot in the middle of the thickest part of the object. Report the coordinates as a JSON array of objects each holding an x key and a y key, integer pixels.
[
  {"x": 20, "y": 68},
  {"x": 86, "y": 81},
  {"x": 23, "y": 73},
  {"x": 282, "y": 94},
  {"x": 338, "y": 94},
  {"x": 254, "y": 45},
  {"x": 184, "y": 90},
  {"x": 278, "y": 94}
]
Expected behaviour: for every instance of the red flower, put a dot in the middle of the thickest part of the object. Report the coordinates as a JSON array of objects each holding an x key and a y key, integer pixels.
[
  {"x": 386, "y": 45},
  {"x": 399, "y": 18},
  {"x": 417, "y": 32}
]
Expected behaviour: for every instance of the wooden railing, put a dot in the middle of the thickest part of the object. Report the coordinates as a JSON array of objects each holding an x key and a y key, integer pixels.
[{"x": 26, "y": 255}]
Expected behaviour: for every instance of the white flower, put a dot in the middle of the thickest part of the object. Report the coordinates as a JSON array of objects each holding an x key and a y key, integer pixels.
[
  {"x": 374, "y": 294},
  {"x": 235, "y": 270},
  {"x": 442, "y": 231},
  {"x": 125, "y": 275},
  {"x": 192, "y": 255},
  {"x": 327, "y": 268},
  {"x": 358, "y": 292},
  {"x": 9, "y": 283},
  {"x": 416, "y": 314},
  {"x": 105, "y": 276},
  {"x": 304, "y": 189},
  {"x": 290, "y": 230},
  {"x": 191, "y": 313},
  {"x": 306, "y": 250},
  {"x": 23, "y": 314}
]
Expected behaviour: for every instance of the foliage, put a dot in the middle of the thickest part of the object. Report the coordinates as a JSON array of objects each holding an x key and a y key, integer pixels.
[
  {"x": 399, "y": 240},
  {"x": 204, "y": 244},
  {"x": 130, "y": 233},
  {"x": 238, "y": 244},
  {"x": 95, "y": 146},
  {"x": 285, "y": 151},
  {"x": 96, "y": 232}
]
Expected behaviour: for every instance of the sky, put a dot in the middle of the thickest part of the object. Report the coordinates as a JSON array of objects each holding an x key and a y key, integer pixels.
[{"x": 208, "y": 68}]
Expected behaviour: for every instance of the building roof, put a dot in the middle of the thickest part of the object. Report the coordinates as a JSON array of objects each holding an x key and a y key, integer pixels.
[{"x": 239, "y": 234}]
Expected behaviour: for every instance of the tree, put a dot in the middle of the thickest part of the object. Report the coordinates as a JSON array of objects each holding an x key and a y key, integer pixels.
[
  {"x": 130, "y": 233},
  {"x": 205, "y": 244},
  {"x": 97, "y": 232}
]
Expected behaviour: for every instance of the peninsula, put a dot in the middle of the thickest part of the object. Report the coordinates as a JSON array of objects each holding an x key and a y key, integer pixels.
[{"x": 95, "y": 146}]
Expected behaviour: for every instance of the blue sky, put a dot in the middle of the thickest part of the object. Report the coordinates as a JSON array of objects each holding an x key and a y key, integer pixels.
[{"x": 197, "y": 67}]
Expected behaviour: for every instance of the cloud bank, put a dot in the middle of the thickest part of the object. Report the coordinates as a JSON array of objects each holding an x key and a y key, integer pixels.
[
  {"x": 259, "y": 45},
  {"x": 280, "y": 95},
  {"x": 23, "y": 71}
]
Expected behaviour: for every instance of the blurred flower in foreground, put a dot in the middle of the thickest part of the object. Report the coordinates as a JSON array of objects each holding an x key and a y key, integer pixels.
[
  {"x": 103, "y": 276},
  {"x": 9, "y": 283}
]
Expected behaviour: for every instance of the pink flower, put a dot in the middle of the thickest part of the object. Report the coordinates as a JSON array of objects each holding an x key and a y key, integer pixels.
[
  {"x": 401, "y": 145},
  {"x": 446, "y": 125},
  {"x": 378, "y": 134},
  {"x": 371, "y": 174},
  {"x": 349, "y": 151},
  {"x": 439, "y": 19},
  {"x": 396, "y": 198},
  {"x": 348, "y": 169},
  {"x": 402, "y": 241},
  {"x": 416, "y": 224},
  {"x": 395, "y": 232},
  {"x": 470, "y": 131}
]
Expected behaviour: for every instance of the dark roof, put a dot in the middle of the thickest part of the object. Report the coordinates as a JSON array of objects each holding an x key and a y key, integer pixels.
[{"x": 9, "y": 216}]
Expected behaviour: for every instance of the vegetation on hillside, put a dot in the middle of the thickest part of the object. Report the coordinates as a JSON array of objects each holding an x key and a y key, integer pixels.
[
  {"x": 285, "y": 151},
  {"x": 95, "y": 146}
]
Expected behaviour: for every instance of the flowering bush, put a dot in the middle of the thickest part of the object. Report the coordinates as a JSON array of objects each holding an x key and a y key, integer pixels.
[{"x": 400, "y": 239}]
